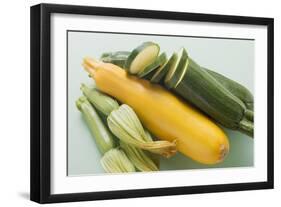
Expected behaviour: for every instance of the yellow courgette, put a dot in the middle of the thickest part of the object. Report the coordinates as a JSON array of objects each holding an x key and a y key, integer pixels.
[{"x": 165, "y": 115}]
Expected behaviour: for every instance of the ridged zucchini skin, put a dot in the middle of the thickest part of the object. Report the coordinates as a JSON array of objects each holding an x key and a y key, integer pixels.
[
  {"x": 205, "y": 92},
  {"x": 235, "y": 88}
]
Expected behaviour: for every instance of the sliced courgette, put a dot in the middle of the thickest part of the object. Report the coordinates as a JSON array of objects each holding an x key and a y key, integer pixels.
[
  {"x": 161, "y": 72},
  {"x": 156, "y": 64},
  {"x": 202, "y": 90},
  {"x": 175, "y": 73},
  {"x": 141, "y": 57}
]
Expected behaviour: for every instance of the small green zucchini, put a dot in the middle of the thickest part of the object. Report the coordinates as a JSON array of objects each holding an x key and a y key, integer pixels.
[
  {"x": 141, "y": 57},
  {"x": 100, "y": 101},
  {"x": 103, "y": 137}
]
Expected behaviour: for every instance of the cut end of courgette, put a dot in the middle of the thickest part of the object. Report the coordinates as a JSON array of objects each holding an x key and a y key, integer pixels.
[
  {"x": 161, "y": 71},
  {"x": 173, "y": 66},
  {"x": 141, "y": 57},
  {"x": 160, "y": 60},
  {"x": 185, "y": 66},
  {"x": 175, "y": 72}
]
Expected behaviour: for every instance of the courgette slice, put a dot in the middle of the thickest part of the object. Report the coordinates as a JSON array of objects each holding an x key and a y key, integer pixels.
[
  {"x": 156, "y": 64},
  {"x": 161, "y": 72},
  {"x": 141, "y": 57},
  {"x": 175, "y": 73},
  {"x": 181, "y": 74}
]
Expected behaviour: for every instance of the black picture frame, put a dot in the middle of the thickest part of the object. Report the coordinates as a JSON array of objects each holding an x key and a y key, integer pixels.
[{"x": 41, "y": 98}]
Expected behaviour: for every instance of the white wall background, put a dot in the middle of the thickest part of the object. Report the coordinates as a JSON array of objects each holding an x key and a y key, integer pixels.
[{"x": 14, "y": 104}]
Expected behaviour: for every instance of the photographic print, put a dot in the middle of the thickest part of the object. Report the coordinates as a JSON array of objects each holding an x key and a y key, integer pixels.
[
  {"x": 180, "y": 103},
  {"x": 132, "y": 103}
]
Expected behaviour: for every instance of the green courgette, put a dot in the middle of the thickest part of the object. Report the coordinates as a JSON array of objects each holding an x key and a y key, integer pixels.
[
  {"x": 101, "y": 102},
  {"x": 103, "y": 137},
  {"x": 141, "y": 57},
  {"x": 201, "y": 89},
  {"x": 113, "y": 160},
  {"x": 235, "y": 88}
]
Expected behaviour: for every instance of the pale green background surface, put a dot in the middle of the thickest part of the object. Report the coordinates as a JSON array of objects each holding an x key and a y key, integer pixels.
[{"x": 233, "y": 58}]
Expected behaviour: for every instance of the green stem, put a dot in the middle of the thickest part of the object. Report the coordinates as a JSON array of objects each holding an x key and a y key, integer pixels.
[
  {"x": 247, "y": 127},
  {"x": 249, "y": 114},
  {"x": 249, "y": 105}
]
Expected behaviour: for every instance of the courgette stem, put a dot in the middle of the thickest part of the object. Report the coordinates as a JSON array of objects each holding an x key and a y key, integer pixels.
[
  {"x": 249, "y": 105},
  {"x": 249, "y": 114},
  {"x": 247, "y": 127},
  {"x": 117, "y": 58}
]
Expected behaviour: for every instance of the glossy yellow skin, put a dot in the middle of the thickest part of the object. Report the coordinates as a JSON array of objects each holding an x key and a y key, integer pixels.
[{"x": 162, "y": 113}]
